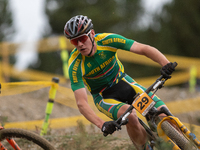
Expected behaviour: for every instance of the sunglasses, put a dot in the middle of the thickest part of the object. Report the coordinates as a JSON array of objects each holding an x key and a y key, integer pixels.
[{"x": 82, "y": 38}]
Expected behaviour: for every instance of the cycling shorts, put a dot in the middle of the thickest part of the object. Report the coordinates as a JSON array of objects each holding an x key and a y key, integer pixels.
[{"x": 111, "y": 99}]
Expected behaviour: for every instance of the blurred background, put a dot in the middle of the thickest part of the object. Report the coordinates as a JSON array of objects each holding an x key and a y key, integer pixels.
[{"x": 31, "y": 32}]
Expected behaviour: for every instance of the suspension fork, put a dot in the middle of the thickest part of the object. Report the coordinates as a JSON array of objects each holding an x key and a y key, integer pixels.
[{"x": 182, "y": 127}]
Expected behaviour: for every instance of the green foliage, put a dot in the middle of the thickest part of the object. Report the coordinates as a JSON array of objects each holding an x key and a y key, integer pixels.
[
  {"x": 160, "y": 144},
  {"x": 5, "y": 20},
  {"x": 50, "y": 62},
  {"x": 107, "y": 15},
  {"x": 179, "y": 32},
  {"x": 175, "y": 30},
  {"x": 3, "y": 120}
]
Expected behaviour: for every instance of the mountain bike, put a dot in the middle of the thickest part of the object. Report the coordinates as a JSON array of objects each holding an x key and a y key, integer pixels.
[
  {"x": 18, "y": 139},
  {"x": 168, "y": 129}
]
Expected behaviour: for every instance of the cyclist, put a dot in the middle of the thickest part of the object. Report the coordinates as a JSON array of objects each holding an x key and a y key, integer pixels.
[{"x": 94, "y": 63}]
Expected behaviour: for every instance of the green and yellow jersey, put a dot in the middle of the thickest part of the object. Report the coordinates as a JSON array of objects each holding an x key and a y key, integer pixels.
[{"x": 103, "y": 69}]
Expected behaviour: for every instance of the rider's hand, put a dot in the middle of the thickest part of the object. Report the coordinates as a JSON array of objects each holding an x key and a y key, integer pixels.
[
  {"x": 109, "y": 127},
  {"x": 167, "y": 70}
]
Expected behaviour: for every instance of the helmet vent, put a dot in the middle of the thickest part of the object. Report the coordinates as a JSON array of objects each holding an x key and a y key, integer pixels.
[{"x": 77, "y": 25}]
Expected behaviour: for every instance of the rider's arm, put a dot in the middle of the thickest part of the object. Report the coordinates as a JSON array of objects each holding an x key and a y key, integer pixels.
[
  {"x": 149, "y": 52},
  {"x": 85, "y": 109}
]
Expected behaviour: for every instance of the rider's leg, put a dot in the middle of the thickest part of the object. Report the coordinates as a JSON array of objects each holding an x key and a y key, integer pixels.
[
  {"x": 135, "y": 130},
  {"x": 158, "y": 108}
]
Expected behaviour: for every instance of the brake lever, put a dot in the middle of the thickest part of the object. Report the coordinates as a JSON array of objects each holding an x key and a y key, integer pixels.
[{"x": 175, "y": 64}]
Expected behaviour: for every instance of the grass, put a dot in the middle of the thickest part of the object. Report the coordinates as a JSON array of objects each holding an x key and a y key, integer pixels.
[
  {"x": 89, "y": 139},
  {"x": 84, "y": 140}
]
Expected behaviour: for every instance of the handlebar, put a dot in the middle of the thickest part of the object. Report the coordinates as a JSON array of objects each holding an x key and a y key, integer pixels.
[{"x": 122, "y": 120}]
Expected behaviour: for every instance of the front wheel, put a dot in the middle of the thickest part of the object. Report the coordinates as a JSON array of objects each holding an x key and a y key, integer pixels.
[
  {"x": 177, "y": 137},
  {"x": 26, "y": 140}
]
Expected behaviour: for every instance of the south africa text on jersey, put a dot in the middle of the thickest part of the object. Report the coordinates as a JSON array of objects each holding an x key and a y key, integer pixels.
[
  {"x": 101, "y": 66},
  {"x": 74, "y": 72},
  {"x": 111, "y": 40}
]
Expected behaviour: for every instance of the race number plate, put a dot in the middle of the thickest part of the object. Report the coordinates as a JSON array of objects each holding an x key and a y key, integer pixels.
[{"x": 143, "y": 103}]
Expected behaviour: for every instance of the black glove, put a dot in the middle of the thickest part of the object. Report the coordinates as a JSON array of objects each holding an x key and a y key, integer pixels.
[
  {"x": 109, "y": 127},
  {"x": 167, "y": 70}
]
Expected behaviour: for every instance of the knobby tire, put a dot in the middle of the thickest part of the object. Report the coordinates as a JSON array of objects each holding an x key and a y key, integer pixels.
[
  {"x": 176, "y": 136},
  {"x": 28, "y": 135}
]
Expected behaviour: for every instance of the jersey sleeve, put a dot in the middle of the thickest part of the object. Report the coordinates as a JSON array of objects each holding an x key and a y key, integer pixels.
[
  {"x": 75, "y": 73},
  {"x": 115, "y": 40}
]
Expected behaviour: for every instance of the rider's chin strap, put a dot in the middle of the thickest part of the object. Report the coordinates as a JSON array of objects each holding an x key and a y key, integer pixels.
[{"x": 92, "y": 45}]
